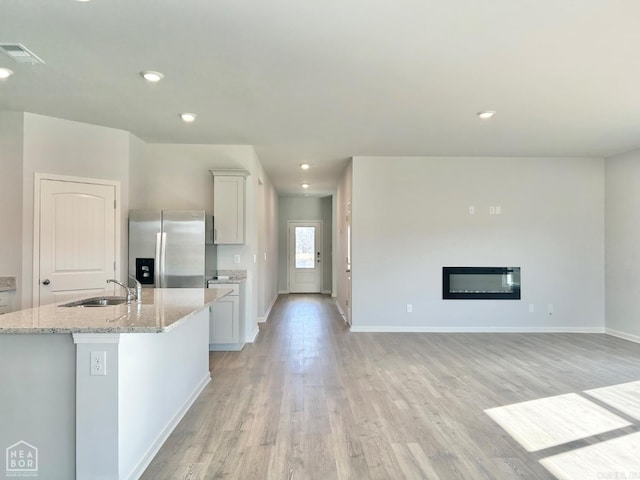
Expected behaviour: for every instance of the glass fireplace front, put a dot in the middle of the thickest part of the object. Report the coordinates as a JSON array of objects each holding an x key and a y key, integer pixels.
[{"x": 481, "y": 283}]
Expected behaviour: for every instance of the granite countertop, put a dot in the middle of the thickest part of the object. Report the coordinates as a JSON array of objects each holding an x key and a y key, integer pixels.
[
  {"x": 7, "y": 284},
  {"x": 161, "y": 310},
  {"x": 227, "y": 280},
  {"x": 229, "y": 276}
]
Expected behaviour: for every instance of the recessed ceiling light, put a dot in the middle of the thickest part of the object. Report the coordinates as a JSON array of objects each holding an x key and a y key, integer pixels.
[
  {"x": 305, "y": 185},
  {"x": 188, "y": 117},
  {"x": 486, "y": 114},
  {"x": 5, "y": 73},
  {"x": 149, "y": 75},
  {"x": 304, "y": 166}
]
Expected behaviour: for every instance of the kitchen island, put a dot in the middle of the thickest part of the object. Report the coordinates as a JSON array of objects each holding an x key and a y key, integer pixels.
[{"x": 95, "y": 391}]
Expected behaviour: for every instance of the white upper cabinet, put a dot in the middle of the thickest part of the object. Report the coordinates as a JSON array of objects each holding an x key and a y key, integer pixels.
[{"x": 229, "y": 206}]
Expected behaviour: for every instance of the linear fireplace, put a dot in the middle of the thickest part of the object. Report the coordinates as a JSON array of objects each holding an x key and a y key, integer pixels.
[{"x": 481, "y": 283}]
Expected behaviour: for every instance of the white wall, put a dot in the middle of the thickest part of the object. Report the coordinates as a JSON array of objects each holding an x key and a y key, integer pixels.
[
  {"x": 177, "y": 176},
  {"x": 11, "y": 125},
  {"x": 305, "y": 209},
  {"x": 343, "y": 197},
  {"x": 622, "y": 242},
  {"x": 411, "y": 218},
  {"x": 326, "y": 204},
  {"x": 268, "y": 251}
]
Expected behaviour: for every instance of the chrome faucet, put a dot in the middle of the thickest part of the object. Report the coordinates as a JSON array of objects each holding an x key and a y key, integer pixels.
[
  {"x": 131, "y": 294},
  {"x": 138, "y": 288}
]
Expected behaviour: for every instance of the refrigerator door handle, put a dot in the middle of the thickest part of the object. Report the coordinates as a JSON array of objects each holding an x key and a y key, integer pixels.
[
  {"x": 156, "y": 261},
  {"x": 163, "y": 257}
]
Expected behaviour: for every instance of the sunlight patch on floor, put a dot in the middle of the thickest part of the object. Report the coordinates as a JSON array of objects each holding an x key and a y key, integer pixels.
[
  {"x": 617, "y": 459},
  {"x": 552, "y": 421},
  {"x": 624, "y": 397}
]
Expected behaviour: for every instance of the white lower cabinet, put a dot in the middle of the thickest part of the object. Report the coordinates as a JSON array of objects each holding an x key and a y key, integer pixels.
[
  {"x": 5, "y": 302},
  {"x": 224, "y": 321}
]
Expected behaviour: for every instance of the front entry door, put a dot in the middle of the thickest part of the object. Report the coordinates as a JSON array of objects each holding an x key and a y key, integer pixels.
[
  {"x": 305, "y": 257},
  {"x": 77, "y": 233}
]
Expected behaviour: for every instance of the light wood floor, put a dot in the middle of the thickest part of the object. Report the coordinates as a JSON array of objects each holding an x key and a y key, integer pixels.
[{"x": 310, "y": 400}]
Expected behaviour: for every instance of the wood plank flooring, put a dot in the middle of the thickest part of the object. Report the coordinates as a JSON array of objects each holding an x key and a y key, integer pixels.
[{"x": 310, "y": 400}]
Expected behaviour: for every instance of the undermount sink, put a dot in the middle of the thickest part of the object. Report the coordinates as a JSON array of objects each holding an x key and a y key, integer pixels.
[{"x": 97, "y": 302}]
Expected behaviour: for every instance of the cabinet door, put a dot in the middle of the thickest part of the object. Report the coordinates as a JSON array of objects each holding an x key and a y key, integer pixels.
[
  {"x": 5, "y": 302},
  {"x": 223, "y": 322},
  {"x": 228, "y": 207}
]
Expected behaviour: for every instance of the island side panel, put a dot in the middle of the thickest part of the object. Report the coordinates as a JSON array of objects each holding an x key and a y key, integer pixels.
[
  {"x": 160, "y": 377},
  {"x": 96, "y": 407},
  {"x": 37, "y": 401}
]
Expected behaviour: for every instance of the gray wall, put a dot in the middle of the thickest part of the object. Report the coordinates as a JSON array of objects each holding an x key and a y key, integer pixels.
[
  {"x": 623, "y": 244},
  {"x": 11, "y": 134},
  {"x": 343, "y": 198},
  {"x": 63, "y": 147},
  {"x": 411, "y": 218},
  {"x": 38, "y": 399},
  {"x": 177, "y": 176},
  {"x": 303, "y": 209},
  {"x": 326, "y": 204}
]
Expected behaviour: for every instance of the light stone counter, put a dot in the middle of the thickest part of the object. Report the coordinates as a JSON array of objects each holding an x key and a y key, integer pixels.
[
  {"x": 7, "y": 284},
  {"x": 161, "y": 310},
  {"x": 106, "y": 422}
]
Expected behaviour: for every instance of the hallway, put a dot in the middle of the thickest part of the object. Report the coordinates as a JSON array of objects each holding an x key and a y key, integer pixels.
[{"x": 310, "y": 400}]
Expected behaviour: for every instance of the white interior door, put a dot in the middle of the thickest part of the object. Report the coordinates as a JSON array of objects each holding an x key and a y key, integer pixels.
[
  {"x": 305, "y": 257},
  {"x": 77, "y": 239}
]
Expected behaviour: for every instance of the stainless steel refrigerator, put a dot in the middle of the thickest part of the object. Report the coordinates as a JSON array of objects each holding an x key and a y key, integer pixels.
[{"x": 167, "y": 247}]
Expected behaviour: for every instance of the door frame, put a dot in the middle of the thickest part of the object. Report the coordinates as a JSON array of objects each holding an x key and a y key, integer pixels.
[
  {"x": 37, "y": 180},
  {"x": 290, "y": 223}
]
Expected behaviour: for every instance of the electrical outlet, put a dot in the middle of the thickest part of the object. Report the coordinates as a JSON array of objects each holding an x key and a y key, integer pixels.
[
  {"x": 472, "y": 210},
  {"x": 98, "y": 363},
  {"x": 236, "y": 258},
  {"x": 532, "y": 308},
  {"x": 409, "y": 308},
  {"x": 492, "y": 210}
]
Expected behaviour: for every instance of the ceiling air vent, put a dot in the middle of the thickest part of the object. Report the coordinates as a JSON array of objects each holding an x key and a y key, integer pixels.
[{"x": 20, "y": 53}]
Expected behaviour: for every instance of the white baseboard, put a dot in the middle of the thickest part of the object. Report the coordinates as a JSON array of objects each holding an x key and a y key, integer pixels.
[
  {"x": 623, "y": 335},
  {"x": 344, "y": 317},
  {"x": 155, "y": 446},
  {"x": 403, "y": 329},
  {"x": 264, "y": 318},
  {"x": 326, "y": 292},
  {"x": 283, "y": 292},
  {"x": 252, "y": 337}
]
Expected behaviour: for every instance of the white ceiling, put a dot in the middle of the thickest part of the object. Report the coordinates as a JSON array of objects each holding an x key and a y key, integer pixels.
[{"x": 319, "y": 81}]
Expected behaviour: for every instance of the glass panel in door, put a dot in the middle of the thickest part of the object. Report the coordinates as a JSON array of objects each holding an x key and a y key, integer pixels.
[{"x": 305, "y": 238}]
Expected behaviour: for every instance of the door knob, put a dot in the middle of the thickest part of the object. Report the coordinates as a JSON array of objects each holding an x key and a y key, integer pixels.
[{"x": 46, "y": 281}]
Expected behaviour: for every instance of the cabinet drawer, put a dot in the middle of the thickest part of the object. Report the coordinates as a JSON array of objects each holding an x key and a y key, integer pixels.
[{"x": 234, "y": 286}]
